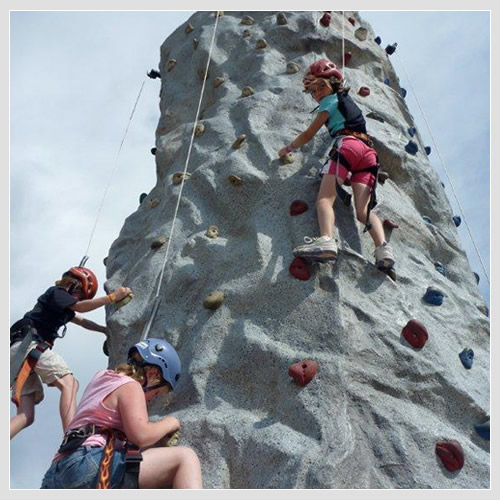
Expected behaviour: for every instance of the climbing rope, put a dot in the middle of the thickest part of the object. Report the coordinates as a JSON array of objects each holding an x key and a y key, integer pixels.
[
  {"x": 160, "y": 279},
  {"x": 84, "y": 259},
  {"x": 444, "y": 168}
]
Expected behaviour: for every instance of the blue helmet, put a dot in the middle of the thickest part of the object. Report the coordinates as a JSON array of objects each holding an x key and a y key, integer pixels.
[{"x": 160, "y": 353}]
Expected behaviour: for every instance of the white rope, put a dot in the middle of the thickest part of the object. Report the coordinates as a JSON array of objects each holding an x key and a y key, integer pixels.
[
  {"x": 112, "y": 172},
  {"x": 187, "y": 162},
  {"x": 445, "y": 169}
]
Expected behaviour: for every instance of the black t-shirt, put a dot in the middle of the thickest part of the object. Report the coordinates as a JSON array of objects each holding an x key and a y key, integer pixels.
[{"x": 52, "y": 311}]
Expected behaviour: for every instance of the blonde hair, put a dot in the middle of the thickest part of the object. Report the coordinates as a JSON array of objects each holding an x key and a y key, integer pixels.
[
  {"x": 133, "y": 371},
  {"x": 67, "y": 281}
]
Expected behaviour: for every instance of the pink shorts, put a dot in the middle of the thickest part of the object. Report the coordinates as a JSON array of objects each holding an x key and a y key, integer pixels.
[{"x": 359, "y": 156}]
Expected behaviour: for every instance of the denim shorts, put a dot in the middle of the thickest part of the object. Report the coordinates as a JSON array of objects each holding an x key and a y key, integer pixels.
[{"x": 80, "y": 469}]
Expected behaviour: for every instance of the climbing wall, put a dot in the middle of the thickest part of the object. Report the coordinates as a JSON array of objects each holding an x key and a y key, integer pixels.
[{"x": 392, "y": 404}]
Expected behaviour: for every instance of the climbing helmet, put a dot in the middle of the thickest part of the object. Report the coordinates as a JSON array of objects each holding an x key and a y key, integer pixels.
[{"x": 87, "y": 279}]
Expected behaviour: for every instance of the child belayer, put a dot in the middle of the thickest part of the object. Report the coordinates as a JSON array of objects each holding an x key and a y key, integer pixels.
[
  {"x": 32, "y": 337},
  {"x": 352, "y": 153}
]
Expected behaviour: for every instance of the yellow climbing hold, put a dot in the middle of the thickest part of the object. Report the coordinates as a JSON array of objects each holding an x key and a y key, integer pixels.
[
  {"x": 199, "y": 130},
  {"x": 247, "y": 91},
  {"x": 214, "y": 300},
  {"x": 179, "y": 176},
  {"x": 171, "y": 64},
  {"x": 125, "y": 300},
  {"x": 247, "y": 20},
  {"x": 218, "y": 81},
  {"x": 235, "y": 180},
  {"x": 212, "y": 232},
  {"x": 261, "y": 44},
  {"x": 239, "y": 141},
  {"x": 287, "y": 159}
]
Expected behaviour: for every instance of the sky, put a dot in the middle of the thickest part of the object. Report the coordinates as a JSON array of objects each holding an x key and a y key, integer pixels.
[{"x": 74, "y": 79}]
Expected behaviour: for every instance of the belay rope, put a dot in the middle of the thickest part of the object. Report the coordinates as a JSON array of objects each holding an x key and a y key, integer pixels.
[{"x": 156, "y": 300}]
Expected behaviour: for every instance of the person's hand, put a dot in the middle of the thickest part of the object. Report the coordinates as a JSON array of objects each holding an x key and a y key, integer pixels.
[
  {"x": 121, "y": 293},
  {"x": 284, "y": 151}
]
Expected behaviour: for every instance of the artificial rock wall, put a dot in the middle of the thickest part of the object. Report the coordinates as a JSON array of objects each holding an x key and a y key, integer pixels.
[{"x": 377, "y": 407}]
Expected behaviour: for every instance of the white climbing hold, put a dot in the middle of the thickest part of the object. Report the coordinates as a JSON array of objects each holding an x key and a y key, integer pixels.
[
  {"x": 292, "y": 68},
  {"x": 199, "y": 130},
  {"x": 361, "y": 34}
]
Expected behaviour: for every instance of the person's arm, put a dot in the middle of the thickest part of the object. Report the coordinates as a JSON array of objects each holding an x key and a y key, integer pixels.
[
  {"x": 307, "y": 135},
  {"x": 134, "y": 415},
  {"x": 88, "y": 324},
  {"x": 91, "y": 304}
]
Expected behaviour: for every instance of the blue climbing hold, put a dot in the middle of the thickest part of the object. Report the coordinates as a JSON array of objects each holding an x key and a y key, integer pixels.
[
  {"x": 390, "y": 49},
  {"x": 412, "y": 131},
  {"x": 427, "y": 150},
  {"x": 378, "y": 40},
  {"x": 427, "y": 220},
  {"x": 466, "y": 357},
  {"x": 434, "y": 296},
  {"x": 440, "y": 268},
  {"x": 477, "y": 277},
  {"x": 483, "y": 430},
  {"x": 411, "y": 148},
  {"x": 403, "y": 92},
  {"x": 387, "y": 81},
  {"x": 153, "y": 151},
  {"x": 457, "y": 220},
  {"x": 142, "y": 197}
]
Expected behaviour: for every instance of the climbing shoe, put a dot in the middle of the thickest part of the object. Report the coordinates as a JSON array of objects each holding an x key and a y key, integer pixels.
[
  {"x": 322, "y": 248},
  {"x": 384, "y": 257}
]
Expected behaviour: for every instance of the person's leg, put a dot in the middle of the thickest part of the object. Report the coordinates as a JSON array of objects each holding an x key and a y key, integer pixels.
[
  {"x": 68, "y": 386},
  {"x": 175, "y": 467},
  {"x": 361, "y": 193},
  {"x": 324, "y": 205},
  {"x": 25, "y": 414}
]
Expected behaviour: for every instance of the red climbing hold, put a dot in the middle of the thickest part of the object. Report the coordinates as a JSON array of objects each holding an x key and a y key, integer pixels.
[
  {"x": 347, "y": 57},
  {"x": 298, "y": 207},
  {"x": 299, "y": 269},
  {"x": 451, "y": 454},
  {"x": 326, "y": 19},
  {"x": 304, "y": 371},
  {"x": 415, "y": 333},
  {"x": 389, "y": 224},
  {"x": 352, "y": 20},
  {"x": 364, "y": 91}
]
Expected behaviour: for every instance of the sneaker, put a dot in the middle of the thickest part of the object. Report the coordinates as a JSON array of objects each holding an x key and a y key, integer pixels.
[
  {"x": 384, "y": 256},
  {"x": 322, "y": 248}
]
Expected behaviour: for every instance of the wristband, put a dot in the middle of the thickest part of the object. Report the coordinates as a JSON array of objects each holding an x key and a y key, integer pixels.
[{"x": 111, "y": 297}]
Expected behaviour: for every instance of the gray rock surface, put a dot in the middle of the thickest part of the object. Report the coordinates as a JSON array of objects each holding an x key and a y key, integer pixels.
[{"x": 374, "y": 412}]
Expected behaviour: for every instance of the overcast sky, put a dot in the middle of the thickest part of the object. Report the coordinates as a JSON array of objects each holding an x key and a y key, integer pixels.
[{"x": 74, "y": 78}]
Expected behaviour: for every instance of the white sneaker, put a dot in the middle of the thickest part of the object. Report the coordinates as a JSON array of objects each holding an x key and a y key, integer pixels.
[
  {"x": 384, "y": 256},
  {"x": 322, "y": 248}
]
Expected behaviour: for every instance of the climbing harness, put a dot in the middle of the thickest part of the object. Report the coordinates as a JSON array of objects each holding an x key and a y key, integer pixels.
[
  {"x": 156, "y": 300},
  {"x": 444, "y": 168},
  {"x": 74, "y": 438}
]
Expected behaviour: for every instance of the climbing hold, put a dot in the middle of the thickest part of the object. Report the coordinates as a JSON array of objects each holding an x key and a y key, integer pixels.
[
  {"x": 142, "y": 197},
  {"x": 440, "y": 268},
  {"x": 361, "y": 34},
  {"x": 188, "y": 29},
  {"x": 412, "y": 131},
  {"x": 125, "y": 300},
  {"x": 158, "y": 242},
  {"x": 375, "y": 116},
  {"x": 219, "y": 81},
  {"x": 235, "y": 180},
  {"x": 292, "y": 68},
  {"x": 389, "y": 224},
  {"x": 154, "y": 74},
  {"x": 483, "y": 430},
  {"x": 153, "y": 151},
  {"x": 352, "y": 20},
  {"x": 347, "y": 57},
  {"x": 382, "y": 177},
  {"x": 239, "y": 141},
  {"x": 260, "y": 44},
  {"x": 287, "y": 159},
  {"x": 298, "y": 207},
  {"x": 214, "y": 300},
  {"x": 466, "y": 357},
  {"x": 281, "y": 19},
  {"x": 247, "y": 20},
  {"x": 403, "y": 92},
  {"x": 219, "y": 13},
  {"x": 201, "y": 74},
  {"x": 105, "y": 261},
  {"x": 433, "y": 296},
  {"x": 457, "y": 220},
  {"x": 171, "y": 439},
  {"x": 427, "y": 150},
  {"x": 364, "y": 91},
  {"x": 427, "y": 220},
  {"x": 178, "y": 177},
  {"x": 212, "y": 232},
  {"x": 477, "y": 277},
  {"x": 387, "y": 81},
  {"x": 171, "y": 63},
  {"x": 411, "y": 148},
  {"x": 299, "y": 269},
  {"x": 326, "y": 19},
  {"x": 105, "y": 348},
  {"x": 195, "y": 43},
  {"x": 246, "y": 33},
  {"x": 154, "y": 202},
  {"x": 199, "y": 130},
  {"x": 415, "y": 334},
  {"x": 378, "y": 40},
  {"x": 303, "y": 371},
  {"x": 451, "y": 454},
  {"x": 390, "y": 49},
  {"x": 247, "y": 91}
]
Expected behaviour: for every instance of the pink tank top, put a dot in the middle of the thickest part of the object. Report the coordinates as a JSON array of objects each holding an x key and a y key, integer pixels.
[{"x": 91, "y": 409}]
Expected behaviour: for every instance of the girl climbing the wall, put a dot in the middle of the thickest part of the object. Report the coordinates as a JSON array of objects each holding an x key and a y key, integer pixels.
[{"x": 352, "y": 153}]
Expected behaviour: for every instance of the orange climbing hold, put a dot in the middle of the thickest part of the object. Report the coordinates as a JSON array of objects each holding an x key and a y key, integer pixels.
[
  {"x": 415, "y": 334},
  {"x": 299, "y": 269},
  {"x": 304, "y": 371}
]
